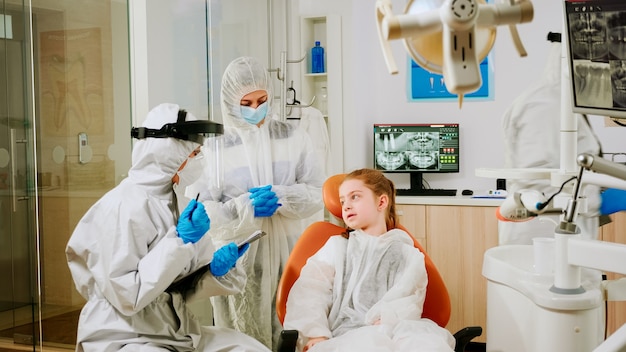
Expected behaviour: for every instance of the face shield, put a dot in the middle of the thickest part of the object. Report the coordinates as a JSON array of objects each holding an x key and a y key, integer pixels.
[
  {"x": 212, "y": 149},
  {"x": 207, "y": 134},
  {"x": 198, "y": 131}
]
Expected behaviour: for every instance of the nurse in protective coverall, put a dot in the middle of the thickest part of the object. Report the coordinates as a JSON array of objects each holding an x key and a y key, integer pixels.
[
  {"x": 137, "y": 265},
  {"x": 272, "y": 181}
]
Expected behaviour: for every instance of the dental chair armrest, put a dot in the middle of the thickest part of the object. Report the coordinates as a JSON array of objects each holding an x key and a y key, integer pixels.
[
  {"x": 287, "y": 341},
  {"x": 465, "y": 335}
]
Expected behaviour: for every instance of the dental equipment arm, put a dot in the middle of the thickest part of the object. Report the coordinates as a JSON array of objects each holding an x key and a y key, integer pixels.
[
  {"x": 525, "y": 204},
  {"x": 607, "y": 174},
  {"x": 522, "y": 205},
  {"x": 572, "y": 253},
  {"x": 602, "y": 166}
]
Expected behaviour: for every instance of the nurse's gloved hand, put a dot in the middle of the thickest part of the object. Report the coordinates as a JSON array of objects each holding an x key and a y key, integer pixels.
[
  {"x": 264, "y": 201},
  {"x": 613, "y": 200},
  {"x": 254, "y": 190},
  {"x": 225, "y": 258},
  {"x": 193, "y": 222}
]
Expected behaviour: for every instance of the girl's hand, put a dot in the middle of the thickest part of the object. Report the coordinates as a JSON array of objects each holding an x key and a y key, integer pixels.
[{"x": 313, "y": 341}]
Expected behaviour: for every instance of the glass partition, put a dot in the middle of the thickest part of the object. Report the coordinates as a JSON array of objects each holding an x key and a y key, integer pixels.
[
  {"x": 65, "y": 116},
  {"x": 64, "y": 142}
]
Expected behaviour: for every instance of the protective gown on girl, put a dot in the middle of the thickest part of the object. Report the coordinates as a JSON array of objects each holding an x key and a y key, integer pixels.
[
  {"x": 365, "y": 293},
  {"x": 277, "y": 154},
  {"x": 125, "y": 254}
]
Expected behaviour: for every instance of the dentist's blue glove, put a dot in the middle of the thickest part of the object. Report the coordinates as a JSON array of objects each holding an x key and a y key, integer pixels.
[
  {"x": 193, "y": 222},
  {"x": 264, "y": 201},
  {"x": 225, "y": 258},
  {"x": 613, "y": 200}
]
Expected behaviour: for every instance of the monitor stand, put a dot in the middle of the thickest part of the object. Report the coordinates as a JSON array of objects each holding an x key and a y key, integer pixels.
[{"x": 416, "y": 185}]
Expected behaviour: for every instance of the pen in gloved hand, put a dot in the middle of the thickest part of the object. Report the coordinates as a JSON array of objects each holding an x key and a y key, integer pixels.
[{"x": 194, "y": 208}]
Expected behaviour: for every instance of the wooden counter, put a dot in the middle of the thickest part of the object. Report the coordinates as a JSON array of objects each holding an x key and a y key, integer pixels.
[{"x": 456, "y": 232}]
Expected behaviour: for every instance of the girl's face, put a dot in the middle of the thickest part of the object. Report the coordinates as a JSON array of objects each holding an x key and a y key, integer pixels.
[{"x": 361, "y": 208}]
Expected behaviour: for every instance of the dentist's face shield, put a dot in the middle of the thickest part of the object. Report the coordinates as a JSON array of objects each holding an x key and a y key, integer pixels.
[
  {"x": 202, "y": 173},
  {"x": 207, "y": 134},
  {"x": 194, "y": 131}
]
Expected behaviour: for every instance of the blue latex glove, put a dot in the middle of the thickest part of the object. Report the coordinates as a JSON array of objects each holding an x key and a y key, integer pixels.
[
  {"x": 193, "y": 222},
  {"x": 264, "y": 201},
  {"x": 258, "y": 189},
  {"x": 613, "y": 200},
  {"x": 225, "y": 258}
]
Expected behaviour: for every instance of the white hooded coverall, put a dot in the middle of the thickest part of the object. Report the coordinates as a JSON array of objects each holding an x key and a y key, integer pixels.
[
  {"x": 125, "y": 253},
  {"x": 532, "y": 140},
  {"x": 278, "y": 154},
  {"x": 365, "y": 293}
]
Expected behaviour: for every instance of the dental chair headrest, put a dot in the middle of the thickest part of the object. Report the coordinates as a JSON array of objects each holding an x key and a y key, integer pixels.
[{"x": 330, "y": 194}]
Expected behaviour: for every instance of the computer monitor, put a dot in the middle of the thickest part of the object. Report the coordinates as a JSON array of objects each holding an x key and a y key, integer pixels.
[
  {"x": 597, "y": 56},
  {"x": 416, "y": 149}
]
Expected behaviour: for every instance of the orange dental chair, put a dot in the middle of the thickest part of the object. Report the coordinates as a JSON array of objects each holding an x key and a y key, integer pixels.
[{"x": 437, "y": 301}]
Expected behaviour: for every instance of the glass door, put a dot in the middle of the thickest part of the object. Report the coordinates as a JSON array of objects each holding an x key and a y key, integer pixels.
[
  {"x": 17, "y": 260},
  {"x": 65, "y": 118}
]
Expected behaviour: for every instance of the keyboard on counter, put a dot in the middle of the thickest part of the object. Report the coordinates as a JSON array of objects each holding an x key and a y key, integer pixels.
[{"x": 428, "y": 192}]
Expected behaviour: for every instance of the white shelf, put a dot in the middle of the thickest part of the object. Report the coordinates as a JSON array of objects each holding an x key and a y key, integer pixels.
[
  {"x": 327, "y": 30},
  {"x": 323, "y": 74}
]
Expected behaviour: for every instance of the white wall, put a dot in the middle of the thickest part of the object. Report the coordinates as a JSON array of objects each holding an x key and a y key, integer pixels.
[
  {"x": 371, "y": 95},
  {"x": 170, "y": 53}
]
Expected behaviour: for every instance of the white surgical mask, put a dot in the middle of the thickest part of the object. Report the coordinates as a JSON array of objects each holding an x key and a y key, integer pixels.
[
  {"x": 254, "y": 116},
  {"x": 192, "y": 170}
]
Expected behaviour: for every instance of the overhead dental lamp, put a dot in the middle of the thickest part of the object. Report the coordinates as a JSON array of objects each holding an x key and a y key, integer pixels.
[{"x": 450, "y": 37}]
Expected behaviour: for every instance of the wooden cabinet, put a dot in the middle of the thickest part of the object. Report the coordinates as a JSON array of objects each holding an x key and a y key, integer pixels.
[
  {"x": 413, "y": 218},
  {"x": 456, "y": 238},
  {"x": 615, "y": 232}
]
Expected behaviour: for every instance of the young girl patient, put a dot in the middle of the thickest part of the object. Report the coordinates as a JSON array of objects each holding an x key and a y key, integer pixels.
[{"x": 364, "y": 290}]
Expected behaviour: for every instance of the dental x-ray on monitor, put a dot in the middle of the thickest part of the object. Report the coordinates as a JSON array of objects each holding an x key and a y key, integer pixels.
[
  {"x": 596, "y": 32},
  {"x": 416, "y": 149}
]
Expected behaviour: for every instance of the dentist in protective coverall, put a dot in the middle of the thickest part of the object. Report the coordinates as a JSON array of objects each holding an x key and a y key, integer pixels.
[
  {"x": 532, "y": 140},
  {"x": 272, "y": 180},
  {"x": 137, "y": 263}
]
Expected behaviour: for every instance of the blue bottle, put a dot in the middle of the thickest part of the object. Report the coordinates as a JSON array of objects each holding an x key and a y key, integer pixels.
[{"x": 317, "y": 58}]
